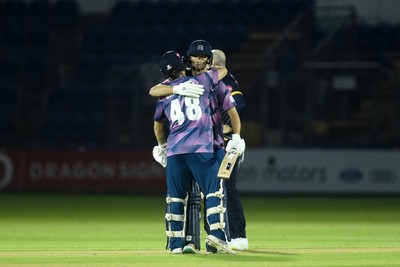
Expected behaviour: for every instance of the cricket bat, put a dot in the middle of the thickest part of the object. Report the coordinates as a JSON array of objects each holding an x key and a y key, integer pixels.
[{"x": 227, "y": 164}]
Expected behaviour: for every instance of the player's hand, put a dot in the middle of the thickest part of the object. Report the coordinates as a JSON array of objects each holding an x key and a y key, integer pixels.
[
  {"x": 160, "y": 154},
  {"x": 189, "y": 89},
  {"x": 237, "y": 143}
]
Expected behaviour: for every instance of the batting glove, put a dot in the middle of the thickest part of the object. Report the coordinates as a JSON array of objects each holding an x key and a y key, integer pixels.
[
  {"x": 189, "y": 89},
  {"x": 160, "y": 154},
  {"x": 237, "y": 144}
]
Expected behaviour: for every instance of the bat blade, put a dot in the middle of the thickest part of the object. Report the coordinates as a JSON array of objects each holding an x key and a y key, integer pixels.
[{"x": 227, "y": 164}]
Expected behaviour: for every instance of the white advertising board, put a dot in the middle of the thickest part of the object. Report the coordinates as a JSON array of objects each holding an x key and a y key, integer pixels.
[{"x": 319, "y": 171}]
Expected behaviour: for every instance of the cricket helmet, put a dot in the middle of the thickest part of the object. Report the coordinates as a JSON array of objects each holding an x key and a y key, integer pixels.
[
  {"x": 200, "y": 48},
  {"x": 171, "y": 63}
]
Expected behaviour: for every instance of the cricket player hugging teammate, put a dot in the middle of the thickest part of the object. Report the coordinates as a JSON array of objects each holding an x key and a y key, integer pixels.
[{"x": 189, "y": 153}]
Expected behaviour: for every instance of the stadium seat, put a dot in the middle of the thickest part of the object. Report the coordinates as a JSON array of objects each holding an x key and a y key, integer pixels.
[
  {"x": 123, "y": 13},
  {"x": 39, "y": 39},
  {"x": 382, "y": 36},
  {"x": 36, "y": 67},
  {"x": 66, "y": 13},
  {"x": 7, "y": 132},
  {"x": 40, "y": 12},
  {"x": 11, "y": 66},
  {"x": 382, "y": 56},
  {"x": 98, "y": 100},
  {"x": 59, "y": 99},
  {"x": 396, "y": 35},
  {"x": 14, "y": 13},
  {"x": 94, "y": 129},
  {"x": 364, "y": 35},
  {"x": 15, "y": 37},
  {"x": 287, "y": 62}
]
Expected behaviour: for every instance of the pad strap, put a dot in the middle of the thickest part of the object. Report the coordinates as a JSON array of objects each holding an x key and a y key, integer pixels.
[
  {"x": 216, "y": 226},
  {"x": 174, "y": 217},
  {"x": 218, "y": 194},
  {"x": 214, "y": 210},
  {"x": 175, "y": 199},
  {"x": 180, "y": 234}
]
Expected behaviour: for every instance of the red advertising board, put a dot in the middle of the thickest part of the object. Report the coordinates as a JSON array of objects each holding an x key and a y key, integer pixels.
[{"x": 90, "y": 171}]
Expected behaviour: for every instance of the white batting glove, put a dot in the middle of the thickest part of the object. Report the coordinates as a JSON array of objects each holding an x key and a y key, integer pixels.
[
  {"x": 189, "y": 89},
  {"x": 160, "y": 154},
  {"x": 237, "y": 144}
]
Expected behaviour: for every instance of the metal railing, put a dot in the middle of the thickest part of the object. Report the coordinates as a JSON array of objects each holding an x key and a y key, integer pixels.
[{"x": 320, "y": 64}]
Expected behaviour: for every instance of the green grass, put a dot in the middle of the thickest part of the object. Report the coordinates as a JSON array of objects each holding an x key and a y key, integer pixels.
[{"x": 123, "y": 230}]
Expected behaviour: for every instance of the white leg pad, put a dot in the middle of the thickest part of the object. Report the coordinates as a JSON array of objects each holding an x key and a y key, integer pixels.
[
  {"x": 176, "y": 217},
  {"x": 220, "y": 209}
]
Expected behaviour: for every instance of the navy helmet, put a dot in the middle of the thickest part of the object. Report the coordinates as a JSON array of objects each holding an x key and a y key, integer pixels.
[
  {"x": 171, "y": 63},
  {"x": 200, "y": 48}
]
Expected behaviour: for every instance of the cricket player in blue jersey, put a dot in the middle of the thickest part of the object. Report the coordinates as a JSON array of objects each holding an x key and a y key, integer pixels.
[
  {"x": 190, "y": 154},
  {"x": 236, "y": 219}
]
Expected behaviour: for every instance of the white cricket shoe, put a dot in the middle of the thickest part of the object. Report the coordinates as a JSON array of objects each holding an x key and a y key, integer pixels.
[
  {"x": 239, "y": 243},
  {"x": 220, "y": 245},
  {"x": 176, "y": 251}
]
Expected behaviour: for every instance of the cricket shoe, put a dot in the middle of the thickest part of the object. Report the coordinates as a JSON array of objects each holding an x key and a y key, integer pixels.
[
  {"x": 220, "y": 245},
  {"x": 176, "y": 251},
  {"x": 189, "y": 249},
  {"x": 239, "y": 243},
  {"x": 210, "y": 250}
]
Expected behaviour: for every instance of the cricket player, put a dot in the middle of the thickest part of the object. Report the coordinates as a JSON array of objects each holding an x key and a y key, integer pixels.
[
  {"x": 236, "y": 218},
  {"x": 190, "y": 153},
  {"x": 199, "y": 59}
]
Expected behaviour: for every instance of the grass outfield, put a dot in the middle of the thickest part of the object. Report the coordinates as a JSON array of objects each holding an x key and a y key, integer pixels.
[{"x": 123, "y": 230}]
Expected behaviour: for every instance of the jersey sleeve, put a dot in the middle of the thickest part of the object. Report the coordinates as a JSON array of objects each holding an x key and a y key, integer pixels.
[
  {"x": 240, "y": 102},
  {"x": 225, "y": 98},
  {"x": 159, "y": 112},
  {"x": 234, "y": 88},
  {"x": 214, "y": 75}
]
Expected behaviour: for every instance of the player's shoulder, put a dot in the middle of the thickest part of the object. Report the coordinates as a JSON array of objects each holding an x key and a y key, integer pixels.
[
  {"x": 231, "y": 82},
  {"x": 229, "y": 78},
  {"x": 212, "y": 71}
]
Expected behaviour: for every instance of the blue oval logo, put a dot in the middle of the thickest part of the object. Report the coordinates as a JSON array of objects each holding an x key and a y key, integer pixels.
[{"x": 351, "y": 175}]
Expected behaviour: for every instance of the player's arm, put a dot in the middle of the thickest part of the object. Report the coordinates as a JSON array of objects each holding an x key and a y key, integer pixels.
[
  {"x": 159, "y": 132},
  {"x": 160, "y": 151},
  {"x": 237, "y": 143},
  {"x": 235, "y": 120},
  {"x": 240, "y": 102},
  {"x": 234, "y": 148},
  {"x": 240, "y": 107},
  {"x": 186, "y": 89},
  {"x": 161, "y": 90}
]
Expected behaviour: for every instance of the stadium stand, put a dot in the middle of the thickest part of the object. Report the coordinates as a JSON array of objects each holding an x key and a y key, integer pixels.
[{"x": 69, "y": 79}]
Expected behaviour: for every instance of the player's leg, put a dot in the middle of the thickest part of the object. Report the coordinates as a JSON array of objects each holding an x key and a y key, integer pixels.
[
  {"x": 192, "y": 239},
  {"x": 207, "y": 226},
  {"x": 220, "y": 153},
  {"x": 204, "y": 167},
  {"x": 177, "y": 187},
  {"x": 236, "y": 217}
]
